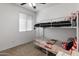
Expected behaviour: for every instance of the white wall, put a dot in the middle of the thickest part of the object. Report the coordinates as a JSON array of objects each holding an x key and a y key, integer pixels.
[
  {"x": 55, "y": 12},
  {"x": 9, "y": 26},
  {"x": 56, "y": 33},
  {"x": 60, "y": 33}
]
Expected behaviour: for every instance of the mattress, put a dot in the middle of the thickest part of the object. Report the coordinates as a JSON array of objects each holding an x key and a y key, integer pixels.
[{"x": 53, "y": 24}]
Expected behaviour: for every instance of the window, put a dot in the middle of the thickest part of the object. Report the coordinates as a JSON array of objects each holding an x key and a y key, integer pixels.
[{"x": 25, "y": 22}]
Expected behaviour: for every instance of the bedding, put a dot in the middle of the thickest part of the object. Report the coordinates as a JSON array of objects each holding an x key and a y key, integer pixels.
[{"x": 53, "y": 47}]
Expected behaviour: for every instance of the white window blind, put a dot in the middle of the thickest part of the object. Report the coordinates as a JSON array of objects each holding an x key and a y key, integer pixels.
[{"x": 25, "y": 22}]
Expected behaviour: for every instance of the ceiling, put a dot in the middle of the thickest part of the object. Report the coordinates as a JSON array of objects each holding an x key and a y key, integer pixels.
[{"x": 38, "y": 6}]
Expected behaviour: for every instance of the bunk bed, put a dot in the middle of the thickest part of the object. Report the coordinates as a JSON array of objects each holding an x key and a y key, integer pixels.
[{"x": 38, "y": 42}]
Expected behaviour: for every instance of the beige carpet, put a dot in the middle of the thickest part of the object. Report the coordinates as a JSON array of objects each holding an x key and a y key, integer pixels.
[{"x": 27, "y": 49}]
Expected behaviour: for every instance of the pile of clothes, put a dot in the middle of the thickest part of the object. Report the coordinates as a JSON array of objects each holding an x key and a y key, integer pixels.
[{"x": 70, "y": 44}]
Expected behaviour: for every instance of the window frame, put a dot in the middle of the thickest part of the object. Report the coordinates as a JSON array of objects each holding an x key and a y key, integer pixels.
[{"x": 27, "y": 15}]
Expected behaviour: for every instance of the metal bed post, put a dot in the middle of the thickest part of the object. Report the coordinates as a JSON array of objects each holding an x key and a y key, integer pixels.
[
  {"x": 43, "y": 33},
  {"x": 77, "y": 34},
  {"x": 44, "y": 39}
]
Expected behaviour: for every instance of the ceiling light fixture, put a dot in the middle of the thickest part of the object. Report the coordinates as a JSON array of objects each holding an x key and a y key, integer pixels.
[{"x": 32, "y": 5}]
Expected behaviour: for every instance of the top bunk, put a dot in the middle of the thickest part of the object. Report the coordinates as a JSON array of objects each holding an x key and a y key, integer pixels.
[
  {"x": 54, "y": 24},
  {"x": 68, "y": 21},
  {"x": 62, "y": 23}
]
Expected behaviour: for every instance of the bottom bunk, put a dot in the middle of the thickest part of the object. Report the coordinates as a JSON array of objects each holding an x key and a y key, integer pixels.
[{"x": 53, "y": 48}]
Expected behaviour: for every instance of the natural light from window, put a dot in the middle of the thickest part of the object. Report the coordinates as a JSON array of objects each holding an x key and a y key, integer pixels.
[{"x": 25, "y": 22}]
